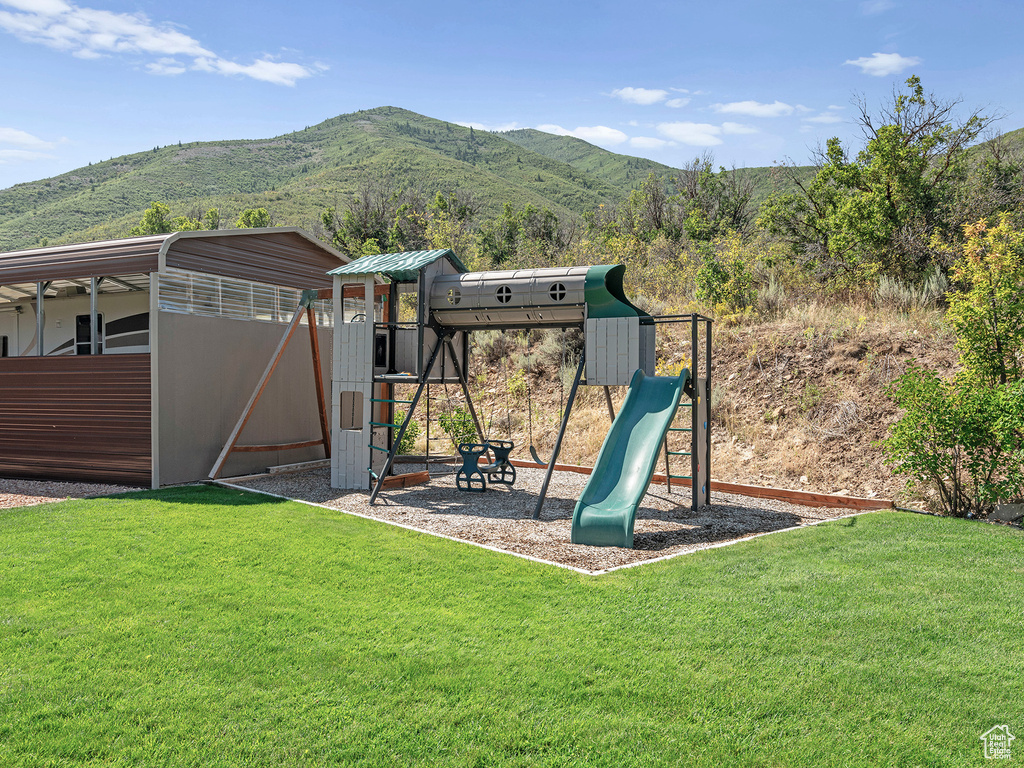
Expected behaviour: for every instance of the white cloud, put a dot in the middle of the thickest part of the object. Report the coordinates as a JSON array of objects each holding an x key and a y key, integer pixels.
[
  {"x": 882, "y": 64},
  {"x": 650, "y": 142},
  {"x": 88, "y": 33},
  {"x": 22, "y": 155},
  {"x": 737, "y": 128},
  {"x": 490, "y": 128},
  {"x": 23, "y": 139},
  {"x": 693, "y": 134},
  {"x": 265, "y": 69},
  {"x": 643, "y": 96},
  {"x": 825, "y": 118},
  {"x": 166, "y": 66},
  {"x": 601, "y": 135},
  {"x": 754, "y": 109},
  {"x": 677, "y": 103}
]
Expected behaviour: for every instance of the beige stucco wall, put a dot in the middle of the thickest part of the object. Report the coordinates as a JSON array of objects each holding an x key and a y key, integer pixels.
[{"x": 208, "y": 368}]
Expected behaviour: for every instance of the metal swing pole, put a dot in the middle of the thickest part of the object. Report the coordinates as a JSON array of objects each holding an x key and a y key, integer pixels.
[
  {"x": 558, "y": 440},
  {"x": 401, "y": 432},
  {"x": 465, "y": 385}
]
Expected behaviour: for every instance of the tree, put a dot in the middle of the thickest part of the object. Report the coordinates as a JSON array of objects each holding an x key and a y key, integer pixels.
[
  {"x": 713, "y": 203},
  {"x": 532, "y": 235},
  {"x": 368, "y": 215},
  {"x": 212, "y": 219},
  {"x": 448, "y": 220},
  {"x": 154, "y": 221},
  {"x": 879, "y": 212},
  {"x": 253, "y": 218},
  {"x": 966, "y": 435},
  {"x": 987, "y": 309}
]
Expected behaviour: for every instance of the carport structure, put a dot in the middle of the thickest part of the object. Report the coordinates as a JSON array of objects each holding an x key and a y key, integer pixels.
[{"x": 130, "y": 360}]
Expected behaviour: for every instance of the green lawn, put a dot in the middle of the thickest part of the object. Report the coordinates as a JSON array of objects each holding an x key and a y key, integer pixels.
[{"x": 204, "y": 626}]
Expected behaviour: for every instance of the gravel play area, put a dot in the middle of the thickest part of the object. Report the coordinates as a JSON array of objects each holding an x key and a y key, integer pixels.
[
  {"x": 501, "y": 517},
  {"x": 22, "y": 493}
]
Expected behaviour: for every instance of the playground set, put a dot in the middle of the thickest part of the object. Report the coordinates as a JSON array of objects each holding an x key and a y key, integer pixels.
[{"x": 374, "y": 351}]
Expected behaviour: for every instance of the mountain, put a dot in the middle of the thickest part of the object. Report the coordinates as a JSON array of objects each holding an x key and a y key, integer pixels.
[
  {"x": 621, "y": 170},
  {"x": 630, "y": 172},
  {"x": 297, "y": 175}
]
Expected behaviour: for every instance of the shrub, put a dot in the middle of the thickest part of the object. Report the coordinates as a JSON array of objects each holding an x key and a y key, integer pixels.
[
  {"x": 726, "y": 283},
  {"x": 965, "y": 438},
  {"x": 412, "y": 433},
  {"x": 517, "y": 383},
  {"x": 906, "y": 297},
  {"x": 457, "y": 423},
  {"x": 987, "y": 312},
  {"x": 494, "y": 345}
]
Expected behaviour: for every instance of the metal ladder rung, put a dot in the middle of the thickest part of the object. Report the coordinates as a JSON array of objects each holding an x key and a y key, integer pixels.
[
  {"x": 380, "y": 424},
  {"x": 378, "y": 448},
  {"x": 680, "y": 429},
  {"x": 381, "y": 400},
  {"x": 681, "y": 477},
  {"x": 679, "y": 453}
]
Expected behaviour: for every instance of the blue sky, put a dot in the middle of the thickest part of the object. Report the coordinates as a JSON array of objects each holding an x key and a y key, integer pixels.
[{"x": 751, "y": 82}]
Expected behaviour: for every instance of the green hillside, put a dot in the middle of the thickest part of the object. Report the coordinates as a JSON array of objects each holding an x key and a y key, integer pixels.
[
  {"x": 298, "y": 174},
  {"x": 620, "y": 170},
  {"x": 629, "y": 172}
]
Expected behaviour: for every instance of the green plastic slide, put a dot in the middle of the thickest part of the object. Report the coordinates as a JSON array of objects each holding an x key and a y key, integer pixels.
[{"x": 605, "y": 513}]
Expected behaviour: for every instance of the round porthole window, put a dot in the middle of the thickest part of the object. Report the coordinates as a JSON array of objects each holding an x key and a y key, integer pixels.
[
  {"x": 454, "y": 296},
  {"x": 557, "y": 292},
  {"x": 503, "y": 294}
]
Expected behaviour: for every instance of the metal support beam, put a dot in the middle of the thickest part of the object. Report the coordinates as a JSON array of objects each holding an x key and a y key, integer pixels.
[
  {"x": 707, "y": 408},
  {"x": 668, "y": 470},
  {"x": 465, "y": 387},
  {"x": 93, "y": 316},
  {"x": 694, "y": 412},
  {"x": 22, "y": 291},
  {"x": 608, "y": 400},
  {"x": 123, "y": 284},
  {"x": 40, "y": 290},
  {"x": 558, "y": 441},
  {"x": 408, "y": 417}
]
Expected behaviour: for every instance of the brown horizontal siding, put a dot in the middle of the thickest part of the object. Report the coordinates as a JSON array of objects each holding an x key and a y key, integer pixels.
[
  {"x": 137, "y": 255},
  {"x": 275, "y": 258},
  {"x": 76, "y": 418}
]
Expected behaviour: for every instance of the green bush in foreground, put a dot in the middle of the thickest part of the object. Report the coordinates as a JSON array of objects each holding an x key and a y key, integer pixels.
[
  {"x": 961, "y": 436},
  {"x": 966, "y": 435}
]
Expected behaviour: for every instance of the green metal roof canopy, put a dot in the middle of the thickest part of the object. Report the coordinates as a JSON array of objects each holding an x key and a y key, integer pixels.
[{"x": 398, "y": 267}]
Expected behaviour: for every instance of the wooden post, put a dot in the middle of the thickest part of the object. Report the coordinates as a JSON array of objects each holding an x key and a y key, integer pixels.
[
  {"x": 247, "y": 411},
  {"x": 318, "y": 380}
]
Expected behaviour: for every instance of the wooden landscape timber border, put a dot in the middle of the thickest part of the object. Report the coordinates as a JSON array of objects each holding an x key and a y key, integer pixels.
[
  {"x": 404, "y": 481},
  {"x": 801, "y": 498}
]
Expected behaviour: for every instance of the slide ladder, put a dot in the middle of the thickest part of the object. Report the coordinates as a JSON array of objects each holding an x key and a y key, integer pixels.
[{"x": 606, "y": 511}]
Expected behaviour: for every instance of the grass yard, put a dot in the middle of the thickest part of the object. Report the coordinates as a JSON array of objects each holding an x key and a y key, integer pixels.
[{"x": 204, "y": 626}]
